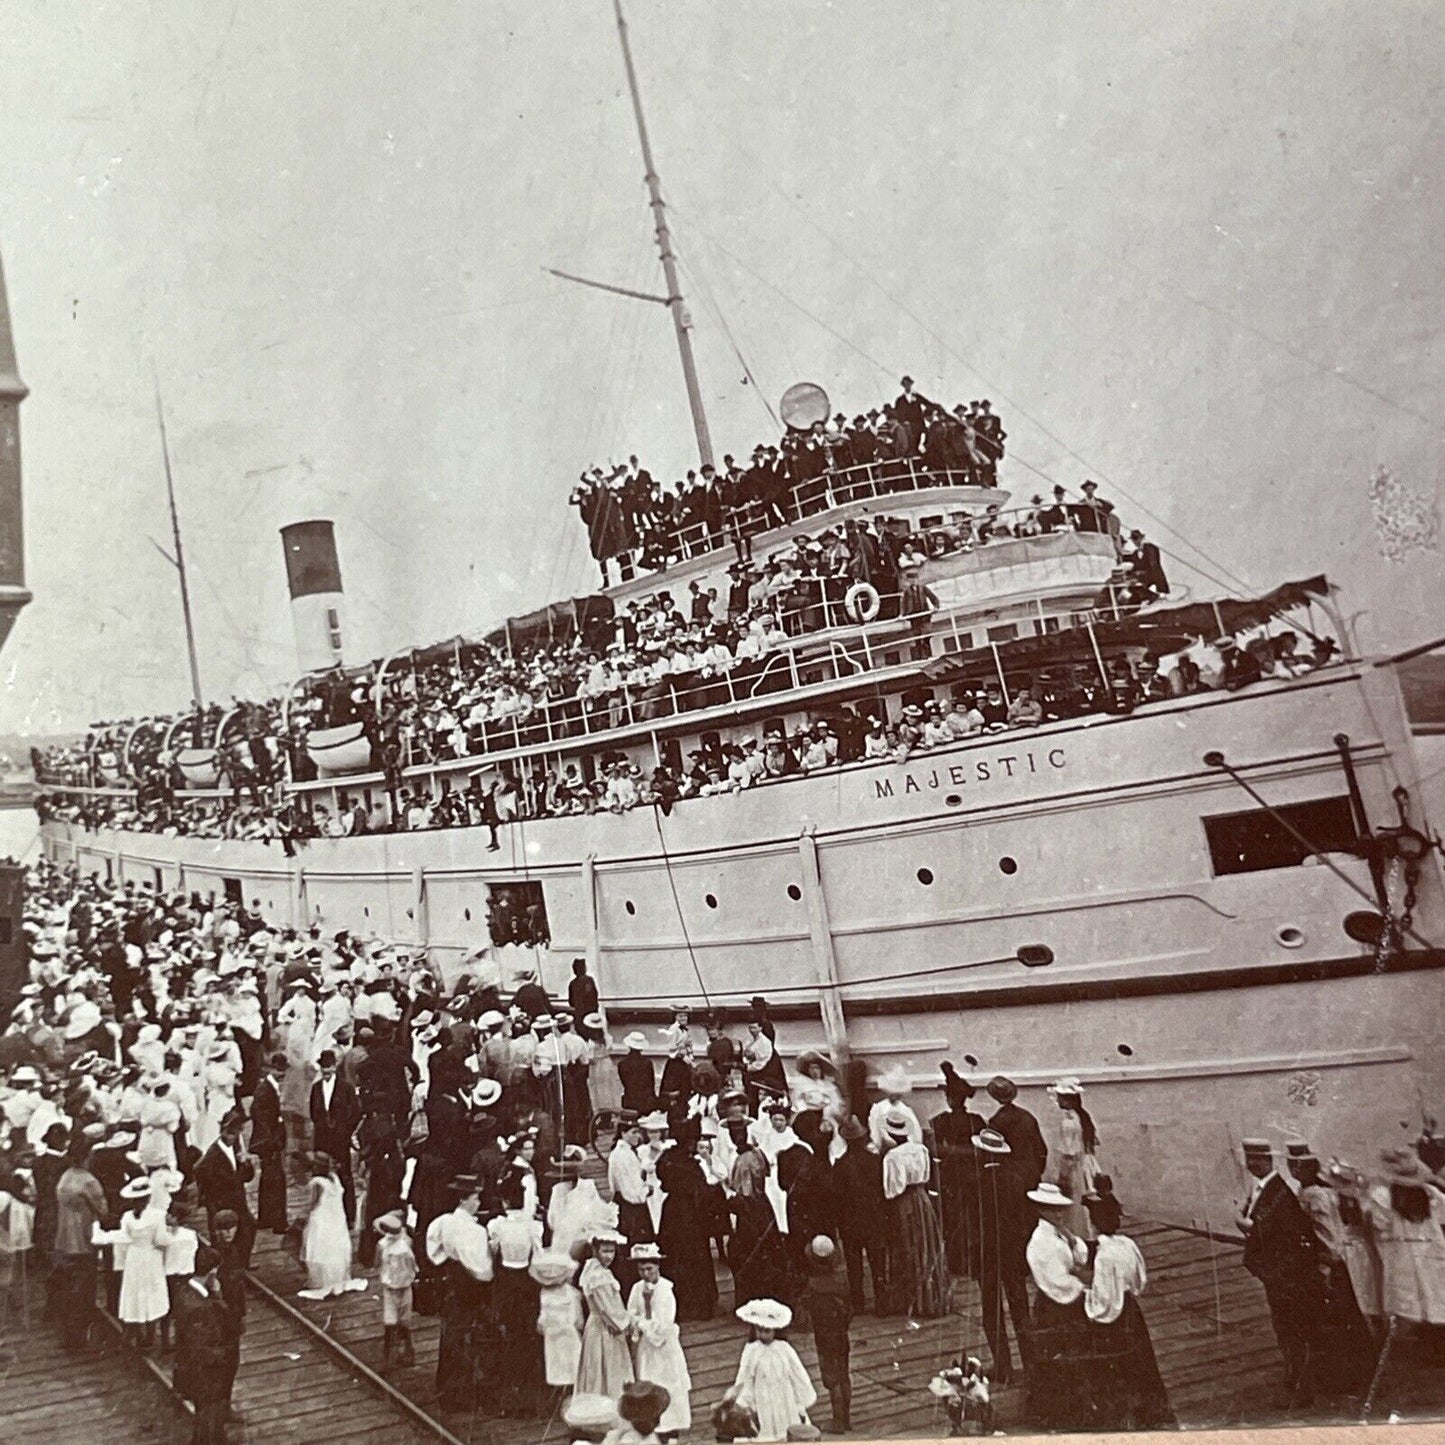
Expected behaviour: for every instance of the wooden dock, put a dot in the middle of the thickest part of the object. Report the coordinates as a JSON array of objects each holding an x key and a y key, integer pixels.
[{"x": 311, "y": 1371}]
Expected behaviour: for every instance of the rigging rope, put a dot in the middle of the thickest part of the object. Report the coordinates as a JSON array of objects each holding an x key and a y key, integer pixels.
[{"x": 677, "y": 903}]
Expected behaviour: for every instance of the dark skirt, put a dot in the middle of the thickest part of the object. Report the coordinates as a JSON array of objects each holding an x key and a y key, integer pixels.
[
  {"x": 1060, "y": 1376},
  {"x": 687, "y": 1245},
  {"x": 917, "y": 1265},
  {"x": 1125, "y": 1385}
]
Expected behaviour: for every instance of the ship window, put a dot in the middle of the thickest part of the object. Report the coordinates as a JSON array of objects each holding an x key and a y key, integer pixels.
[
  {"x": 1008, "y": 865},
  {"x": 925, "y": 876},
  {"x": 631, "y": 908},
  {"x": 711, "y": 900},
  {"x": 517, "y": 913},
  {"x": 1003, "y": 632},
  {"x": 1282, "y": 838},
  {"x": 670, "y": 750},
  {"x": 794, "y": 892},
  {"x": 231, "y": 885},
  {"x": 333, "y": 618}
]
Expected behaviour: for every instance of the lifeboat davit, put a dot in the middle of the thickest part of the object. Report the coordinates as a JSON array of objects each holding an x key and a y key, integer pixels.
[{"x": 339, "y": 750}]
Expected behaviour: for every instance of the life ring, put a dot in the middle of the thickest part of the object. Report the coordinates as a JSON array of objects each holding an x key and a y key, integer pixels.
[{"x": 862, "y": 602}]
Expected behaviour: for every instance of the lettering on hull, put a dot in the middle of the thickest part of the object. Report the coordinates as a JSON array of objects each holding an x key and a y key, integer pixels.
[{"x": 1029, "y": 763}]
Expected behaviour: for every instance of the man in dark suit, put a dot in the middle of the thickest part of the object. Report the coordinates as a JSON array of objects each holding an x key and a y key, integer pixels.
[
  {"x": 1281, "y": 1252},
  {"x": 335, "y": 1113},
  {"x": 268, "y": 1144},
  {"x": 208, "y": 1349},
  {"x": 221, "y": 1177},
  {"x": 1027, "y": 1151},
  {"x": 1000, "y": 1263}
]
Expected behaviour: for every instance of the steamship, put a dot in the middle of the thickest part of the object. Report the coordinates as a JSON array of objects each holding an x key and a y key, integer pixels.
[{"x": 1221, "y": 910}]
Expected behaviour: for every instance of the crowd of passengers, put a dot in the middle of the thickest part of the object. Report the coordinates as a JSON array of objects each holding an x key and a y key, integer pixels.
[
  {"x": 910, "y": 442},
  {"x": 658, "y": 656},
  {"x": 615, "y": 783}
]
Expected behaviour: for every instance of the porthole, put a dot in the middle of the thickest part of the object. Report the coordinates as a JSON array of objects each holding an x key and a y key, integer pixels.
[
  {"x": 1289, "y": 936},
  {"x": 1125, "y": 1051},
  {"x": 467, "y": 914},
  {"x": 1008, "y": 865},
  {"x": 970, "y": 1061},
  {"x": 710, "y": 901},
  {"x": 794, "y": 892},
  {"x": 925, "y": 876},
  {"x": 630, "y": 906},
  {"x": 366, "y": 911},
  {"x": 953, "y": 800}
]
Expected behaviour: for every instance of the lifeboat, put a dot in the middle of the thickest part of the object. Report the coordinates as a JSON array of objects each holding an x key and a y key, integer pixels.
[
  {"x": 339, "y": 750},
  {"x": 199, "y": 766}
]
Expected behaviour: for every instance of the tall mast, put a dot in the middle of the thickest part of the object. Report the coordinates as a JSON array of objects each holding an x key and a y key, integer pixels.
[
  {"x": 680, "y": 321},
  {"x": 179, "y": 563}
]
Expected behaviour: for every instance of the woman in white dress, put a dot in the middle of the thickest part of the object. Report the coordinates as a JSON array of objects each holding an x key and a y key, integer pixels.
[
  {"x": 219, "y": 1074},
  {"x": 326, "y": 1240},
  {"x": 576, "y": 1209},
  {"x": 1407, "y": 1216},
  {"x": 144, "y": 1298},
  {"x": 657, "y": 1349},
  {"x": 160, "y": 1117}
]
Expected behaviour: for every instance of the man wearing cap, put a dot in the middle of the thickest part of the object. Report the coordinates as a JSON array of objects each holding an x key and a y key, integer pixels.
[
  {"x": 1280, "y": 1252},
  {"x": 826, "y": 1302},
  {"x": 207, "y": 1350},
  {"x": 858, "y": 1181}
]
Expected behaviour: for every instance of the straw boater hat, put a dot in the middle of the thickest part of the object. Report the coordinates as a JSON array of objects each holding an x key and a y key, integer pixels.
[
  {"x": 1257, "y": 1148},
  {"x": 590, "y": 1416},
  {"x": 765, "y": 1314},
  {"x": 636, "y": 1040},
  {"x": 551, "y": 1267},
  {"x": 646, "y": 1253},
  {"x": 1067, "y": 1085},
  {"x": 486, "y": 1093},
  {"x": 389, "y": 1223},
  {"x": 24, "y": 1077},
  {"x": 1005, "y": 1091},
  {"x": 604, "y": 1235},
  {"x": 654, "y": 1121},
  {"x": 138, "y": 1188},
  {"x": 896, "y": 1122},
  {"x": 1050, "y": 1196}
]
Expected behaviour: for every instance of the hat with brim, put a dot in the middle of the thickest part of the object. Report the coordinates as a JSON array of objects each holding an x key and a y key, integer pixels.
[
  {"x": 138, "y": 1188},
  {"x": 551, "y": 1267},
  {"x": 636, "y": 1040},
  {"x": 819, "y": 1059},
  {"x": 643, "y": 1402},
  {"x": 991, "y": 1142},
  {"x": 590, "y": 1414},
  {"x": 646, "y": 1253},
  {"x": 486, "y": 1093},
  {"x": 83, "y": 1018},
  {"x": 654, "y": 1121},
  {"x": 1067, "y": 1085},
  {"x": 765, "y": 1314},
  {"x": 24, "y": 1077},
  {"x": 1005, "y": 1091},
  {"x": 1050, "y": 1196},
  {"x": 604, "y": 1235},
  {"x": 389, "y": 1223},
  {"x": 1259, "y": 1148}
]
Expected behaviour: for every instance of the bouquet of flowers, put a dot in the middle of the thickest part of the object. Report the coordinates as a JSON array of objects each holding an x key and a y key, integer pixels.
[{"x": 965, "y": 1393}]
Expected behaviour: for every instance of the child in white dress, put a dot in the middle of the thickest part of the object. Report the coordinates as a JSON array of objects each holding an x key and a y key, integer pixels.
[
  {"x": 559, "y": 1316},
  {"x": 657, "y": 1348},
  {"x": 771, "y": 1381}
]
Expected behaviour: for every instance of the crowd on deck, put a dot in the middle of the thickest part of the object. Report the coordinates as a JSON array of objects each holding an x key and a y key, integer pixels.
[
  {"x": 447, "y": 726},
  {"x": 175, "y": 1065},
  {"x": 910, "y": 442}
]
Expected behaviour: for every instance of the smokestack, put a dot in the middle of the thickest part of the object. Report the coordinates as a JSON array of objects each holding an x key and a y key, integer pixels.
[{"x": 313, "y": 575}]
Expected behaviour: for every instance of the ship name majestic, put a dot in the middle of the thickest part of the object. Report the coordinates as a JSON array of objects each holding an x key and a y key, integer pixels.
[{"x": 982, "y": 770}]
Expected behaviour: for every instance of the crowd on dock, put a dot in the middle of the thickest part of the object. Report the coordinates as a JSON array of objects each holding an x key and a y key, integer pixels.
[
  {"x": 175, "y": 1064},
  {"x": 910, "y": 442}
]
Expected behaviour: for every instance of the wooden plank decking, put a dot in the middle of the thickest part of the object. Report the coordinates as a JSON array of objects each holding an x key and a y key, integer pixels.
[{"x": 1208, "y": 1319}]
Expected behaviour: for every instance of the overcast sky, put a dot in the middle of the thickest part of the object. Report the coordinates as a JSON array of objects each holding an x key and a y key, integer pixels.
[{"x": 1196, "y": 252}]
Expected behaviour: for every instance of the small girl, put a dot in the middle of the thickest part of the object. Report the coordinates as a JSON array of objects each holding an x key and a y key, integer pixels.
[
  {"x": 559, "y": 1317},
  {"x": 771, "y": 1381},
  {"x": 396, "y": 1272}
]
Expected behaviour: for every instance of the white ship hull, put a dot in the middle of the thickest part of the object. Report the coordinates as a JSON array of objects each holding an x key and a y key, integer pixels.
[{"x": 893, "y": 899}]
